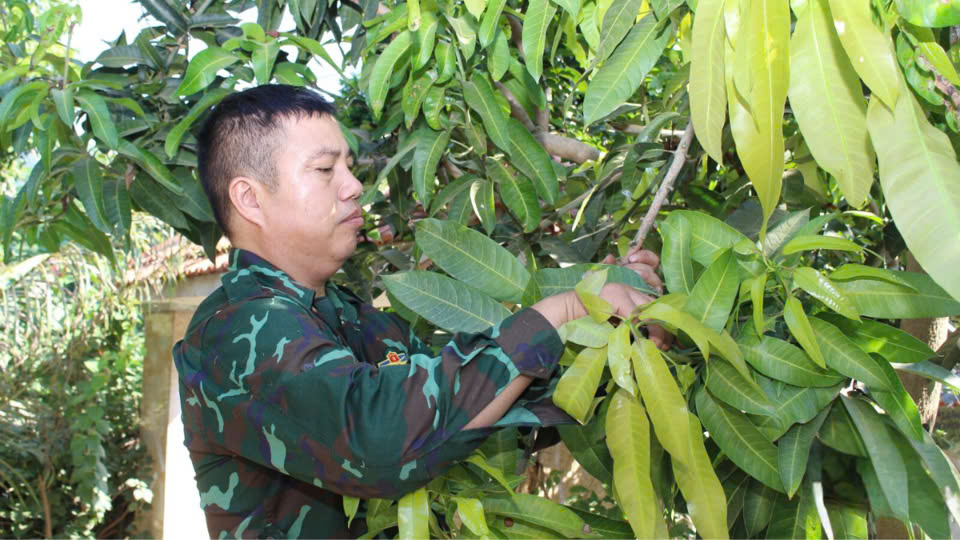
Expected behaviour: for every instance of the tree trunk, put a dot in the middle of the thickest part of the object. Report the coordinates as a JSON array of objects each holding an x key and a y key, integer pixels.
[{"x": 924, "y": 392}]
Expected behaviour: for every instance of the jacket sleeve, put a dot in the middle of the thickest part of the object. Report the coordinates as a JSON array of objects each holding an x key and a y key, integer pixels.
[{"x": 275, "y": 391}]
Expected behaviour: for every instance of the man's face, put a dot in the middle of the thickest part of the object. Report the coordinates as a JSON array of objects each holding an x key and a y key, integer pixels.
[{"x": 313, "y": 214}]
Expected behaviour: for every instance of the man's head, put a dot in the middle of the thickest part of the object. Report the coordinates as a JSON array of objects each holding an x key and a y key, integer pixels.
[{"x": 276, "y": 168}]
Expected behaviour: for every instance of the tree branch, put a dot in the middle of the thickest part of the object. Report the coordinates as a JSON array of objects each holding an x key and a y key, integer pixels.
[
  {"x": 543, "y": 117},
  {"x": 516, "y": 32},
  {"x": 679, "y": 157},
  {"x": 567, "y": 148}
]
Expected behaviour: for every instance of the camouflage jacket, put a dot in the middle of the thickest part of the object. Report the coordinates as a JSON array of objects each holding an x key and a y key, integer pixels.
[{"x": 291, "y": 399}]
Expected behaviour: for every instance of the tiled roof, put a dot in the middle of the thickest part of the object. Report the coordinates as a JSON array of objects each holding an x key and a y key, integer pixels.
[{"x": 178, "y": 257}]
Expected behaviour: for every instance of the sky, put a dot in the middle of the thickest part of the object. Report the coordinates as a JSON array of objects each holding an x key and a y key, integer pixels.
[{"x": 103, "y": 20}]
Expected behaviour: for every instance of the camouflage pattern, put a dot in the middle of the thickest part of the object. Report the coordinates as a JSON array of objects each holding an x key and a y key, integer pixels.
[{"x": 291, "y": 399}]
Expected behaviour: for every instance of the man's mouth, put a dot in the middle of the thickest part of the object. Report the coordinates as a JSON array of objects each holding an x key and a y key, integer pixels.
[{"x": 354, "y": 218}]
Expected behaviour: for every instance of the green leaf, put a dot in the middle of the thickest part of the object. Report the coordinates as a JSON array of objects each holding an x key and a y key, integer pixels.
[
  {"x": 820, "y": 287},
  {"x": 577, "y": 386},
  {"x": 799, "y": 325},
  {"x": 122, "y": 56},
  {"x": 116, "y": 206},
  {"x": 383, "y": 71},
  {"x": 473, "y": 258},
  {"x": 691, "y": 467},
  {"x": 409, "y": 145},
  {"x": 870, "y": 50},
  {"x": 757, "y": 288},
  {"x": 919, "y": 177},
  {"x": 618, "y": 358},
  {"x": 203, "y": 105},
  {"x": 315, "y": 48},
  {"x": 792, "y": 405},
  {"x": 927, "y": 507},
  {"x": 676, "y": 256},
  {"x": 471, "y": 513},
  {"x": 882, "y": 449},
  {"x": 793, "y": 450},
  {"x": 572, "y": 7},
  {"x": 929, "y": 13},
  {"x": 151, "y": 164},
  {"x": 63, "y": 99},
  {"x": 478, "y": 93},
  {"x": 712, "y": 297},
  {"x": 350, "y": 507},
  {"x": 941, "y": 470},
  {"x": 784, "y": 362},
  {"x": 708, "y": 95},
  {"x": 588, "y": 290},
  {"x": 517, "y": 192},
  {"x": 490, "y": 23},
  {"x": 839, "y": 432},
  {"x": 844, "y": 356},
  {"x": 710, "y": 235},
  {"x": 758, "y": 503},
  {"x": 827, "y": 101},
  {"x": 740, "y": 440},
  {"x": 931, "y": 371},
  {"x": 881, "y": 299},
  {"x": 536, "y": 19},
  {"x": 263, "y": 58},
  {"x": 628, "y": 438},
  {"x": 808, "y": 242},
  {"x": 413, "y": 513},
  {"x": 157, "y": 200},
  {"x": 166, "y": 14},
  {"x": 591, "y": 454},
  {"x": 194, "y": 200},
  {"x": 203, "y": 69},
  {"x": 537, "y": 511},
  {"x": 449, "y": 304},
  {"x": 898, "y": 404},
  {"x": 617, "y": 21},
  {"x": 99, "y": 116},
  {"x": 730, "y": 387},
  {"x": 893, "y": 344},
  {"x": 625, "y": 70},
  {"x": 498, "y": 61},
  {"x": 430, "y": 147},
  {"x": 414, "y": 93},
  {"x": 858, "y": 271},
  {"x": 795, "y": 518},
  {"x": 532, "y": 160},
  {"x": 585, "y": 331},
  {"x": 762, "y": 55},
  {"x": 494, "y": 472},
  {"x": 88, "y": 180},
  {"x": 848, "y": 522}
]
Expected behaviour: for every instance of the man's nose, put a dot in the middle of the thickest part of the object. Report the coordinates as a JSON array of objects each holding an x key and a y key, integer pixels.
[{"x": 352, "y": 188}]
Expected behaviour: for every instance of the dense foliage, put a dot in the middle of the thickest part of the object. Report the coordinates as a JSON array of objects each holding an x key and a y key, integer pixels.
[{"x": 507, "y": 146}]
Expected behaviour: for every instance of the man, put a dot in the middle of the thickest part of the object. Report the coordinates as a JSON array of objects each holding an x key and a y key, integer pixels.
[{"x": 294, "y": 391}]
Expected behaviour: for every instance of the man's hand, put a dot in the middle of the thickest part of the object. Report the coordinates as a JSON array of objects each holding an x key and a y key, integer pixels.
[{"x": 645, "y": 262}]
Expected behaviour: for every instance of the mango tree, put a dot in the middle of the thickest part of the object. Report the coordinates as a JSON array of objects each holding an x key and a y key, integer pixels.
[{"x": 508, "y": 146}]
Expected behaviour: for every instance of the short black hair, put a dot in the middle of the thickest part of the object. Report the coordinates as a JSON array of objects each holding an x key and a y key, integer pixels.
[{"x": 240, "y": 136}]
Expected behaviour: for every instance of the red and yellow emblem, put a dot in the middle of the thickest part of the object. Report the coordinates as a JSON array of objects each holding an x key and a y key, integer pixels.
[{"x": 394, "y": 359}]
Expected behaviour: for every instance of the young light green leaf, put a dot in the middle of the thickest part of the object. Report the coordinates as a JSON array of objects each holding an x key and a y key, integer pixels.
[
  {"x": 712, "y": 297},
  {"x": 430, "y": 147},
  {"x": 350, "y": 507},
  {"x": 531, "y": 159},
  {"x": 893, "y": 344},
  {"x": 586, "y": 332},
  {"x": 517, "y": 192},
  {"x": 784, "y": 362},
  {"x": 727, "y": 385},
  {"x": 676, "y": 256},
  {"x": 757, "y": 287},
  {"x": 708, "y": 96},
  {"x": 413, "y": 512},
  {"x": 538, "y": 511},
  {"x": 860, "y": 271},
  {"x": 844, "y": 356},
  {"x": 479, "y": 95},
  {"x": 827, "y": 101},
  {"x": 498, "y": 61},
  {"x": 882, "y": 449},
  {"x": 793, "y": 450},
  {"x": 740, "y": 440},
  {"x": 99, "y": 116},
  {"x": 799, "y": 325},
  {"x": 626, "y": 69},
  {"x": 628, "y": 438},
  {"x": 820, "y": 287},
  {"x": 809, "y": 242},
  {"x": 263, "y": 58},
  {"x": 929, "y": 14},
  {"x": 869, "y": 49},
  {"x": 471, "y": 513},
  {"x": 88, "y": 179},
  {"x": 919, "y": 177},
  {"x": 383, "y": 70},
  {"x": 176, "y": 134},
  {"x": 618, "y": 358},
  {"x": 588, "y": 290},
  {"x": 447, "y": 303},
  {"x": 537, "y": 18},
  {"x": 473, "y": 258},
  {"x": 203, "y": 69},
  {"x": 848, "y": 522}
]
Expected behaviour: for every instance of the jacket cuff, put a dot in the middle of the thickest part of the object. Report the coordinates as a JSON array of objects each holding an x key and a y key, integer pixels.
[{"x": 531, "y": 342}]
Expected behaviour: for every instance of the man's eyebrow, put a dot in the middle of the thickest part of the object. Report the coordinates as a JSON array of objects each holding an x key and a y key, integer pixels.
[{"x": 324, "y": 152}]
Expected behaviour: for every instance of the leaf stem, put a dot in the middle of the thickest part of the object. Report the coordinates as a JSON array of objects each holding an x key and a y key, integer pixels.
[{"x": 66, "y": 60}]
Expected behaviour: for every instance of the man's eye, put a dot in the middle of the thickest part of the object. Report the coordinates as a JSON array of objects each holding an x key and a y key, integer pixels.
[{"x": 325, "y": 170}]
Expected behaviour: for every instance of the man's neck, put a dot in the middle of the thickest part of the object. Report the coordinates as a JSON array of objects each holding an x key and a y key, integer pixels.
[{"x": 300, "y": 275}]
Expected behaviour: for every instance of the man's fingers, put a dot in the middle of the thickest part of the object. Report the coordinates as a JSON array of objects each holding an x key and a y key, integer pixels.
[
  {"x": 660, "y": 337},
  {"x": 643, "y": 256},
  {"x": 609, "y": 259},
  {"x": 648, "y": 275}
]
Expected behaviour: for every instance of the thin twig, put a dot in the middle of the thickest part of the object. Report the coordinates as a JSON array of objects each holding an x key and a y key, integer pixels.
[
  {"x": 47, "y": 514},
  {"x": 66, "y": 60},
  {"x": 679, "y": 157}
]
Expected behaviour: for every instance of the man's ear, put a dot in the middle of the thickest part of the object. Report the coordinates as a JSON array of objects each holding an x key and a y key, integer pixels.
[{"x": 245, "y": 195}]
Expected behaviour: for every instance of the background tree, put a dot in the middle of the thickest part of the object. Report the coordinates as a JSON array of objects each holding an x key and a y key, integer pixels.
[{"x": 508, "y": 146}]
